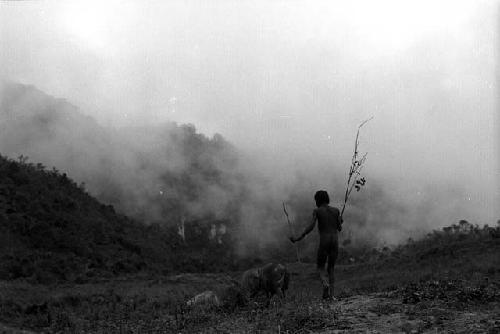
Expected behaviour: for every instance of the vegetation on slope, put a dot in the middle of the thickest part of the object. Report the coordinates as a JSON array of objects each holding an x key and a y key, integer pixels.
[{"x": 51, "y": 229}]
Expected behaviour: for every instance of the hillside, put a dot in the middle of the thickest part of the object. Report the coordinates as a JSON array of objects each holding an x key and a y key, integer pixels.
[{"x": 53, "y": 230}]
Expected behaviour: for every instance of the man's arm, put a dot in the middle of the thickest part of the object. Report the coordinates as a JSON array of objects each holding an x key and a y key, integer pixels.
[{"x": 308, "y": 229}]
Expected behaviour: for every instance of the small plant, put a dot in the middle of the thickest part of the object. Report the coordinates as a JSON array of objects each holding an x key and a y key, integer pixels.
[{"x": 22, "y": 159}]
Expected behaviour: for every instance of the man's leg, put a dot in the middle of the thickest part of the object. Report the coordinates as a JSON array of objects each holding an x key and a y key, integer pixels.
[
  {"x": 323, "y": 276},
  {"x": 322, "y": 273},
  {"x": 332, "y": 258},
  {"x": 331, "y": 278}
]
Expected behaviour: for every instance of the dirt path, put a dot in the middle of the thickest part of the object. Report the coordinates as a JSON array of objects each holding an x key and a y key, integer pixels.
[
  {"x": 380, "y": 314},
  {"x": 374, "y": 313}
]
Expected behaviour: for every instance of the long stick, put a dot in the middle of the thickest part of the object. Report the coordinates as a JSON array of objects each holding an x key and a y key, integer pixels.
[{"x": 292, "y": 234}]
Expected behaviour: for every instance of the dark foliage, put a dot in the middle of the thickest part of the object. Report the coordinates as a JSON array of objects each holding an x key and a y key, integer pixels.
[
  {"x": 53, "y": 230},
  {"x": 451, "y": 241}
]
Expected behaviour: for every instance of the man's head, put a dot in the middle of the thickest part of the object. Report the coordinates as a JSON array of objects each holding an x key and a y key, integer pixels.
[{"x": 321, "y": 197}]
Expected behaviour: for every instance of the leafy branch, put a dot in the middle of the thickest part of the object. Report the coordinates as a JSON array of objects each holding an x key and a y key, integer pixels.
[{"x": 355, "y": 180}]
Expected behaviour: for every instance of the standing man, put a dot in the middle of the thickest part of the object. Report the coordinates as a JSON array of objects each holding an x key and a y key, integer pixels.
[{"x": 329, "y": 224}]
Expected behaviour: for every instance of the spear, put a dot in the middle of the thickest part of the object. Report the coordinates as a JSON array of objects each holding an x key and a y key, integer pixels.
[
  {"x": 291, "y": 231},
  {"x": 353, "y": 180}
]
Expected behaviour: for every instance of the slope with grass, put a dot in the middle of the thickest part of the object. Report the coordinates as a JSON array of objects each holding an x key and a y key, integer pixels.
[{"x": 52, "y": 230}]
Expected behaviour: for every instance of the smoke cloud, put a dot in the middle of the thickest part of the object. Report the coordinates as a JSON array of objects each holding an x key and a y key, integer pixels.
[{"x": 285, "y": 86}]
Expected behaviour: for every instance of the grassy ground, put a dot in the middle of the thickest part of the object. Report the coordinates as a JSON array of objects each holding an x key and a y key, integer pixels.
[{"x": 393, "y": 294}]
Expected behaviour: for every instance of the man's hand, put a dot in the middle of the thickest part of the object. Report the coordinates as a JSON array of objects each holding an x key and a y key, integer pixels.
[{"x": 293, "y": 239}]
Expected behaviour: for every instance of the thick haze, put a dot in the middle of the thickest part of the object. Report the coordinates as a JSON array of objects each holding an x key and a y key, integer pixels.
[{"x": 287, "y": 83}]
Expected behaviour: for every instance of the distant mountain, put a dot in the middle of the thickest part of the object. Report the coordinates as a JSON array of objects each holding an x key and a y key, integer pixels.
[{"x": 164, "y": 173}]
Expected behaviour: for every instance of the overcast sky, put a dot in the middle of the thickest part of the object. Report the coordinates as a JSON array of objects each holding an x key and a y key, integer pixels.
[{"x": 293, "y": 78}]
